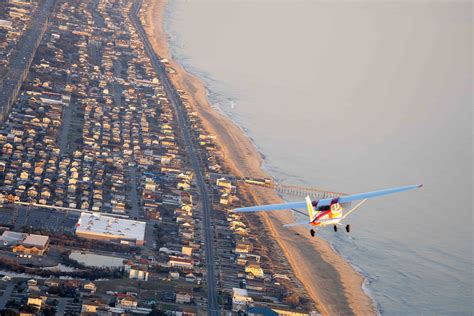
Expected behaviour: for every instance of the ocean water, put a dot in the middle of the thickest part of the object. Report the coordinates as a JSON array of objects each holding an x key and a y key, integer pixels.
[{"x": 354, "y": 96}]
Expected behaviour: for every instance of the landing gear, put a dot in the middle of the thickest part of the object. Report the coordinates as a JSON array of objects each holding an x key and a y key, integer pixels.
[
  {"x": 313, "y": 232},
  {"x": 348, "y": 228},
  {"x": 335, "y": 228}
]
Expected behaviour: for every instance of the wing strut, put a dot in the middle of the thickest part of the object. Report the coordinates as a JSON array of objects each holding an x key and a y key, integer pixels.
[
  {"x": 354, "y": 208},
  {"x": 299, "y": 212}
]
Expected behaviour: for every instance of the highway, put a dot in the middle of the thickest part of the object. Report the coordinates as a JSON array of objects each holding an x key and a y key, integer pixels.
[
  {"x": 213, "y": 307},
  {"x": 22, "y": 57}
]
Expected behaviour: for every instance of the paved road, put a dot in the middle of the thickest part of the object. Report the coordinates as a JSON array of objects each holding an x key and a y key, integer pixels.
[
  {"x": 65, "y": 128},
  {"x": 134, "y": 212},
  {"x": 22, "y": 57},
  {"x": 6, "y": 295},
  {"x": 61, "y": 308},
  {"x": 66, "y": 122},
  {"x": 213, "y": 306}
]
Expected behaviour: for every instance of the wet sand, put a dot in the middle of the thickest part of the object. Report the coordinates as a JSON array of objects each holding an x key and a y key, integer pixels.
[{"x": 329, "y": 280}]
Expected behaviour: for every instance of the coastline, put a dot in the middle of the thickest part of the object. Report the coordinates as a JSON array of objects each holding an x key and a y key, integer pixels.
[{"x": 334, "y": 285}]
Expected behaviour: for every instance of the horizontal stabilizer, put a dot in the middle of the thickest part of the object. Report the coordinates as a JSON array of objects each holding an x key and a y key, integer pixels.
[{"x": 271, "y": 207}]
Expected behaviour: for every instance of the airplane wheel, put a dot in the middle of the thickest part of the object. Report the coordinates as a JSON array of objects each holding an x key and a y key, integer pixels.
[
  {"x": 335, "y": 228},
  {"x": 313, "y": 232},
  {"x": 348, "y": 228}
]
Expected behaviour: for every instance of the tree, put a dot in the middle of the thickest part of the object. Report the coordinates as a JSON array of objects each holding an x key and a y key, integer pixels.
[
  {"x": 53, "y": 290},
  {"x": 28, "y": 309},
  {"x": 49, "y": 311},
  {"x": 292, "y": 299},
  {"x": 157, "y": 312},
  {"x": 8, "y": 312}
]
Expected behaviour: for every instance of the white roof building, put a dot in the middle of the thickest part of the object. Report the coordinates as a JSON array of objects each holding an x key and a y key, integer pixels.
[{"x": 97, "y": 226}]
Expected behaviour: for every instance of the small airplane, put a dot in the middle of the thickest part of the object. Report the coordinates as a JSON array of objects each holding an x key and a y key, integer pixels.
[{"x": 325, "y": 212}]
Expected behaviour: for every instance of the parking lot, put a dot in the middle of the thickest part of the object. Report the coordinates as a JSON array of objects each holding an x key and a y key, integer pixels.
[
  {"x": 36, "y": 218},
  {"x": 6, "y": 216}
]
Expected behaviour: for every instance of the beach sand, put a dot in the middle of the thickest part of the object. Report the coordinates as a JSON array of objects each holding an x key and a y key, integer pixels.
[{"x": 329, "y": 280}]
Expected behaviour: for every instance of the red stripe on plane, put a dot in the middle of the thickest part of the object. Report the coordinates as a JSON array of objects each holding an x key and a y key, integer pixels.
[{"x": 322, "y": 214}]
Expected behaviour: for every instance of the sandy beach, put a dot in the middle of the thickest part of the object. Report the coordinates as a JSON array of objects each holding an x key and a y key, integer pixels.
[{"x": 329, "y": 280}]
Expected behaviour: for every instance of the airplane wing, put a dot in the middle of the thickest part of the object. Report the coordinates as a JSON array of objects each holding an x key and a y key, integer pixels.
[
  {"x": 271, "y": 207},
  {"x": 325, "y": 202},
  {"x": 366, "y": 195},
  {"x": 298, "y": 224}
]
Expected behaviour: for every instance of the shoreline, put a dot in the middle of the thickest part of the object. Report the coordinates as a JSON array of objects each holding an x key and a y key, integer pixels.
[{"x": 334, "y": 284}]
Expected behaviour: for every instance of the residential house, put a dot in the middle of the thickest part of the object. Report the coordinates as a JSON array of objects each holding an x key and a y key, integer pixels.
[
  {"x": 180, "y": 263},
  {"x": 183, "y": 297},
  {"x": 138, "y": 272},
  {"x": 91, "y": 305},
  {"x": 36, "y": 300},
  {"x": 126, "y": 301},
  {"x": 240, "y": 300}
]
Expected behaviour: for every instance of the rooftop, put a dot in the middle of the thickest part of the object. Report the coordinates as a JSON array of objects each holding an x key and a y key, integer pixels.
[
  {"x": 9, "y": 236},
  {"x": 107, "y": 225},
  {"x": 36, "y": 240}
]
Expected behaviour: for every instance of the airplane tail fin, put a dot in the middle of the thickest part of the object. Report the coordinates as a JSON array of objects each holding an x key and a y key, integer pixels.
[{"x": 311, "y": 211}]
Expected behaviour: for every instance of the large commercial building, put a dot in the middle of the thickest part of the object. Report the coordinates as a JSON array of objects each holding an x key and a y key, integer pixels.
[
  {"x": 25, "y": 243},
  {"x": 97, "y": 226},
  {"x": 33, "y": 244}
]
